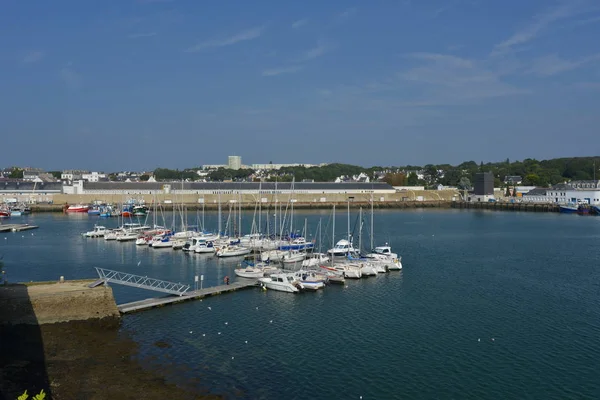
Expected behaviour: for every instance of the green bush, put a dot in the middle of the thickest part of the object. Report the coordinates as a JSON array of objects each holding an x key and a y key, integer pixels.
[{"x": 40, "y": 396}]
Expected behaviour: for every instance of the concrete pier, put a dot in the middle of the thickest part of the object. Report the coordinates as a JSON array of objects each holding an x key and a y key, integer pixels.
[
  {"x": 49, "y": 302},
  {"x": 196, "y": 294},
  {"x": 16, "y": 227}
]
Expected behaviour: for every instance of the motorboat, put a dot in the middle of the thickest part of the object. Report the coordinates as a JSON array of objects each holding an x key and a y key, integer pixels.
[
  {"x": 16, "y": 212},
  {"x": 341, "y": 249},
  {"x": 77, "y": 208},
  {"x": 311, "y": 280},
  {"x": 99, "y": 231},
  {"x": 204, "y": 247},
  {"x": 93, "y": 211},
  {"x": 127, "y": 236},
  {"x": 283, "y": 282},
  {"x": 161, "y": 242},
  {"x": 232, "y": 251},
  {"x": 4, "y": 213},
  {"x": 383, "y": 255}
]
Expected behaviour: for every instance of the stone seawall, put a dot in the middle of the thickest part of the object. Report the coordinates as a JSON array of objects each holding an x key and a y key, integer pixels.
[{"x": 50, "y": 302}]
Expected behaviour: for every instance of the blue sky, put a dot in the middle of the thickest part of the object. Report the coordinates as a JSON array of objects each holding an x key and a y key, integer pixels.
[{"x": 139, "y": 84}]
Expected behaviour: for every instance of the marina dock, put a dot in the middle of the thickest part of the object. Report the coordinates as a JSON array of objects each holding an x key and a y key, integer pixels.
[
  {"x": 17, "y": 227},
  {"x": 147, "y": 304}
]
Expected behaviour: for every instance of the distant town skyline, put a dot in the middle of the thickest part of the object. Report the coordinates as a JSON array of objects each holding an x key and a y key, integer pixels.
[{"x": 137, "y": 84}]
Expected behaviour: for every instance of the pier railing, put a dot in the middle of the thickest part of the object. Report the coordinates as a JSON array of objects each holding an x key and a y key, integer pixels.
[{"x": 143, "y": 282}]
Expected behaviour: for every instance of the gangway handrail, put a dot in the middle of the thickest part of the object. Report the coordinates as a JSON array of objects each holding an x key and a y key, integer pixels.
[{"x": 123, "y": 278}]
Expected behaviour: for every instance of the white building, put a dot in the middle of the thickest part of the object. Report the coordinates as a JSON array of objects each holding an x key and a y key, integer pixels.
[
  {"x": 574, "y": 192},
  {"x": 234, "y": 162},
  {"x": 93, "y": 177},
  {"x": 72, "y": 175},
  {"x": 563, "y": 196}
]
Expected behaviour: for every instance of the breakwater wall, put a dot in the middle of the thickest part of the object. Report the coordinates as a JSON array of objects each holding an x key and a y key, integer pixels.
[
  {"x": 41, "y": 208},
  {"x": 38, "y": 303},
  {"x": 506, "y": 206}
]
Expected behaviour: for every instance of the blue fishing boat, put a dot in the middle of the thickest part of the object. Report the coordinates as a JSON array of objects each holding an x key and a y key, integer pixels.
[{"x": 569, "y": 208}]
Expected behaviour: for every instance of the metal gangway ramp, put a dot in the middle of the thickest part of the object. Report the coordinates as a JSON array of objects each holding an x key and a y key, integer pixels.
[{"x": 122, "y": 278}]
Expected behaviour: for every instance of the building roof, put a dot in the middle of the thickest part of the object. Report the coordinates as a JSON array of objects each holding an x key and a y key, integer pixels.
[
  {"x": 536, "y": 192},
  {"x": 236, "y": 186},
  {"x": 15, "y": 186}
]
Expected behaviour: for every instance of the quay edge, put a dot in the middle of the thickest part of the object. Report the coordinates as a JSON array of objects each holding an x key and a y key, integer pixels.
[
  {"x": 38, "y": 303},
  {"x": 506, "y": 206}
]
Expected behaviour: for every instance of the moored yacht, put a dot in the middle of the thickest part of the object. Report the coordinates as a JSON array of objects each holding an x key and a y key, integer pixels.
[
  {"x": 341, "y": 249},
  {"x": 99, "y": 231},
  {"x": 232, "y": 251},
  {"x": 282, "y": 282}
]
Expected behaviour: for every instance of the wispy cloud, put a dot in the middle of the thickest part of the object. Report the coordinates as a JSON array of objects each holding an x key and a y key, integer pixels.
[
  {"x": 320, "y": 49},
  {"x": 347, "y": 13},
  {"x": 447, "y": 79},
  {"x": 553, "y": 64},
  {"x": 565, "y": 9},
  {"x": 70, "y": 77},
  {"x": 32, "y": 57},
  {"x": 588, "y": 21},
  {"x": 141, "y": 35},
  {"x": 299, "y": 23},
  {"x": 240, "y": 37},
  {"x": 282, "y": 70}
]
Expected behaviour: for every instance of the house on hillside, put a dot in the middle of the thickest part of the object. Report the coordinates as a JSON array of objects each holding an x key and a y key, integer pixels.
[{"x": 513, "y": 180}]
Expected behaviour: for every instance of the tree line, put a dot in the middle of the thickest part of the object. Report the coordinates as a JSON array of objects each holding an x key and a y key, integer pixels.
[{"x": 533, "y": 172}]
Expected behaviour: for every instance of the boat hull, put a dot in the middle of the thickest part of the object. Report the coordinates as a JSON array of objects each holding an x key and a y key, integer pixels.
[
  {"x": 269, "y": 284},
  {"x": 249, "y": 273},
  {"x": 77, "y": 209},
  {"x": 568, "y": 210}
]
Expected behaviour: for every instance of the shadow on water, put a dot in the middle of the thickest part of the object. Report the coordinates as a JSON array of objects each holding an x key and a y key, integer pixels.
[{"x": 22, "y": 357}]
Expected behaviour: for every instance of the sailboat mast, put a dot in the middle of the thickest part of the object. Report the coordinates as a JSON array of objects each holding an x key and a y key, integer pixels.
[
  {"x": 240, "y": 216},
  {"x": 372, "y": 231},
  {"x": 319, "y": 235},
  {"x": 348, "y": 219},
  {"x": 220, "y": 222},
  {"x": 259, "y": 208},
  {"x": 333, "y": 234},
  {"x": 360, "y": 229},
  {"x": 275, "y": 215}
]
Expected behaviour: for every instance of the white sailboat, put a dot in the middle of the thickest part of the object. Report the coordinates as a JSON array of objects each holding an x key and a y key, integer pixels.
[
  {"x": 232, "y": 251},
  {"x": 383, "y": 255}
]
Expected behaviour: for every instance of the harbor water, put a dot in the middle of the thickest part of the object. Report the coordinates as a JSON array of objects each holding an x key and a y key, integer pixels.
[{"x": 488, "y": 305}]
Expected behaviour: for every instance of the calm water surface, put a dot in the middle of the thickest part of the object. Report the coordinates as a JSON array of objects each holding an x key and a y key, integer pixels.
[{"x": 489, "y": 305}]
